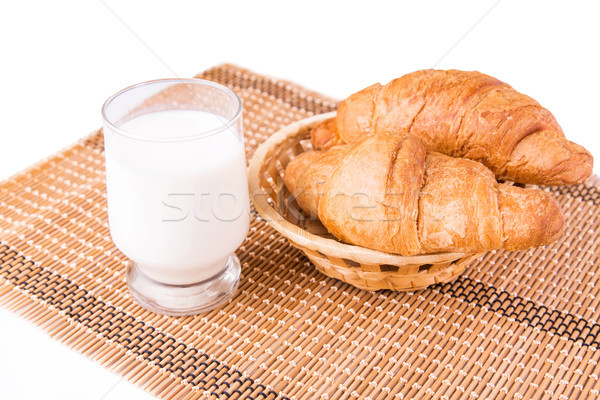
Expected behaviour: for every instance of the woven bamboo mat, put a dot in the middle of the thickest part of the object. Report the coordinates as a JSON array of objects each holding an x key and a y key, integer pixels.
[{"x": 516, "y": 325}]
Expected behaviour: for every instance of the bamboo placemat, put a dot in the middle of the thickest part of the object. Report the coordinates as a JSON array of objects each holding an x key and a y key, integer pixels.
[{"x": 516, "y": 325}]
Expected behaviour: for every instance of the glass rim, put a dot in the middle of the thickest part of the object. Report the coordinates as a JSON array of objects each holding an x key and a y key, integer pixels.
[{"x": 226, "y": 125}]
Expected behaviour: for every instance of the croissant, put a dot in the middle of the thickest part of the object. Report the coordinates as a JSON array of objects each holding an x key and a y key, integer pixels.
[
  {"x": 386, "y": 192},
  {"x": 464, "y": 114}
]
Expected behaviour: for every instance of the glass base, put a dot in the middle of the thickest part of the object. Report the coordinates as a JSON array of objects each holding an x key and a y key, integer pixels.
[{"x": 180, "y": 300}]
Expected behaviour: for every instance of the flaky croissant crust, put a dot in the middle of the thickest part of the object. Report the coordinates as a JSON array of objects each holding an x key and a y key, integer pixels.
[
  {"x": 464, "y": 114},
  {"x": 388, "y": 193}
]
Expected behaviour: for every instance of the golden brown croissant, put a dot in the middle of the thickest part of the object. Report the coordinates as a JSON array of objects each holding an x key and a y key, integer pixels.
[
  {"x": 464, "y": 114},
  {"x": 387, "y": 193}
]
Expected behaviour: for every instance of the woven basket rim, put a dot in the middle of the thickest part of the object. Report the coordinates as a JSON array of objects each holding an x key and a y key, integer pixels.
[{"x": 306, "y": 239}]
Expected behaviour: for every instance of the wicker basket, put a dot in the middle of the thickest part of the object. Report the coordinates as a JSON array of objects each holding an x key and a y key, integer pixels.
[{"x": 362, "y": 267}]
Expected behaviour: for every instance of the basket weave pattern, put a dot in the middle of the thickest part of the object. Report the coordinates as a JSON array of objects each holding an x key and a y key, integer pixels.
[{"x": 361, "y": 267}]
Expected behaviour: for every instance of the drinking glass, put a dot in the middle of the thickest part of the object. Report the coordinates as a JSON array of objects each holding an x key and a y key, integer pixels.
[{"x": 177, "y": 191}]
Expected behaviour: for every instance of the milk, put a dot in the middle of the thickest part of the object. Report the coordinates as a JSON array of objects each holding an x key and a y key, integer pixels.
[{"x": 177, "y": 208}]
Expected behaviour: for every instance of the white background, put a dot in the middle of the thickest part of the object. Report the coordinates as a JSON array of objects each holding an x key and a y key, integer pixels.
[{"x": 59, "y": 60}]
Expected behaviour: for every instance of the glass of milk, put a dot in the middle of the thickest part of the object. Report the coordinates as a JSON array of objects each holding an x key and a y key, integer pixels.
[{"x": 177, "y": 191}]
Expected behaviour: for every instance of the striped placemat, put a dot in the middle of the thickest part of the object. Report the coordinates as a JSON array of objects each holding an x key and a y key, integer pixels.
[{"x": 516, "y": 325}]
